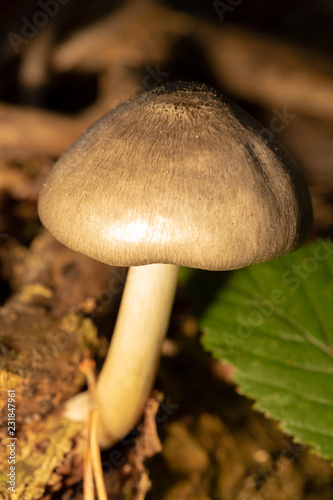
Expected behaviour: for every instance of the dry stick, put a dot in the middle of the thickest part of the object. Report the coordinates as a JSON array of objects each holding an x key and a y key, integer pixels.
[
  {"x": 129, "y": 370},
  {"x": 96, "y": 458},
  {"x": 87, "y": 367},
  {"x": 93, "y": 454},
  {"x": 88, "y": 479}
]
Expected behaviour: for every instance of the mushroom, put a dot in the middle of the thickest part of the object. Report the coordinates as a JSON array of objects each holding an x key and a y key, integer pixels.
[{"x": 176, "y": 176}]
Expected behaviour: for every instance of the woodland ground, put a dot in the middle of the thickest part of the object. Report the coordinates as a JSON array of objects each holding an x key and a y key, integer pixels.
[{"x": 62, "y": 66}]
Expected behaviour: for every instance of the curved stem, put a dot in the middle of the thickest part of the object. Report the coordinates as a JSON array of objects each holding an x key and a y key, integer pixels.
[{"x": 128, "y": 374}]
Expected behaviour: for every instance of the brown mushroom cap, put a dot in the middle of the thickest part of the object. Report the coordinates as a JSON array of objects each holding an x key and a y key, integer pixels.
[{"x": 178, "y": 175}]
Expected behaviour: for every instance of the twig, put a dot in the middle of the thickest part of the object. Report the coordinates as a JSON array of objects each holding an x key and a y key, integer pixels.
[{"x": 93, "y": 467}]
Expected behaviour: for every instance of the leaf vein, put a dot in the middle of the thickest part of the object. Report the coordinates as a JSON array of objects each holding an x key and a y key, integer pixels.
[{"x": 284, "y": 390}]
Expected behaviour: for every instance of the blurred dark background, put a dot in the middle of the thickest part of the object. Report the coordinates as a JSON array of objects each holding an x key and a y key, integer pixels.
[{"x": 64, "y": 63}]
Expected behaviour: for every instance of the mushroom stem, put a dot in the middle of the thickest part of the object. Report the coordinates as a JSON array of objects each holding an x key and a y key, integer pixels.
[{"x": 129, "y": 370}]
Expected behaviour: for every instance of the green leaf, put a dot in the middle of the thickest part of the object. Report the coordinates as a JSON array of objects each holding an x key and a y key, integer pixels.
[{"x": 274, "y": 323}]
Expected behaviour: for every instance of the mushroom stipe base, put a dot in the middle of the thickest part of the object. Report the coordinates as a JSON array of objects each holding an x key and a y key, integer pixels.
[{"x": 129, "y": 370}]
